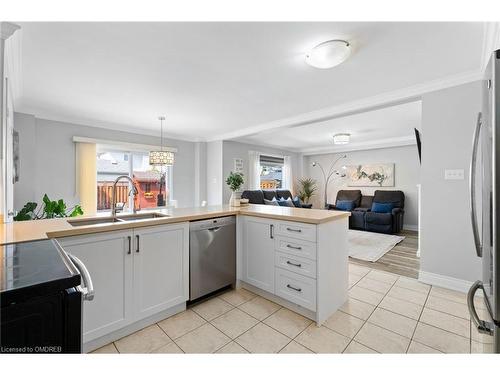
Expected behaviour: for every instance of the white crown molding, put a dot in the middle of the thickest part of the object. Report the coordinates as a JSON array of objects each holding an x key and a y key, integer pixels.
[
  {"x": 118, "y": 145},
  {"x": 7, "y": 29},
  {"x": 408, "y": 94},
  {"x": 41, "y": 115},
  {"x": 360, "y": 146},
  {"x": 491, "y": 42}
]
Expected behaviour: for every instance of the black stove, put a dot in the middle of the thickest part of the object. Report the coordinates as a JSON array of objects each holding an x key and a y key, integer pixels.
[{"x": 40, "y": 299}]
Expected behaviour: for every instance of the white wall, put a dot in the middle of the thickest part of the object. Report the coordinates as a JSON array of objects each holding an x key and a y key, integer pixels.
[
  {"x": 239, "y": 150},
  {"x": 448, "y": 121},
  {"x": 47, "y": 159},
  {"x": 214, "y": 172},
  {"x": 406, "y": 175}
]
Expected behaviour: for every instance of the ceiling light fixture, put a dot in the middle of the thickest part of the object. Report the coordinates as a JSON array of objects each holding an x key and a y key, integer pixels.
[
  {"x": 161, "y": 157},
  {"x": 341, "y": 138},
  {"x": 329, "y": 54}
]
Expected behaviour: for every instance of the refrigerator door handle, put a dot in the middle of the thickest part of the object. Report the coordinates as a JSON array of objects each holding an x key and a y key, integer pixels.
[
  {"x": 482, "y": 326},
  {"x": 472, "y": 188}
]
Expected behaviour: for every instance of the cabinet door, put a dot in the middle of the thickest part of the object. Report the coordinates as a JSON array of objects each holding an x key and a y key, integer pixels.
[
  {"x": 258, "y": 252},
  {"x": 161, "y": 268},
  {"x": 110, "y": 266}
]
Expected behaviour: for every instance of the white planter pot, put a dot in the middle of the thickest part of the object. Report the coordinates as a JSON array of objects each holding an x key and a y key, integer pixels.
[{"x": 235, "y": 199}]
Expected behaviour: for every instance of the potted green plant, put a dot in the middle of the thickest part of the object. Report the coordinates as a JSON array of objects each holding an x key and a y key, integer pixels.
[
  {"x": 235, "y": 181},
  {"x": 307, "y": 188},
  {"x": 48, "y": 210}
]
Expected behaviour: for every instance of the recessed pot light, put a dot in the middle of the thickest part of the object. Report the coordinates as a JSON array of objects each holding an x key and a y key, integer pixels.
[{"x": 329, "y": 54}]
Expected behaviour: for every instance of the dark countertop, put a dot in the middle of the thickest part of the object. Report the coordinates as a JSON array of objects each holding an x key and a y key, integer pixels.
[{"x": 34, "y": 268}]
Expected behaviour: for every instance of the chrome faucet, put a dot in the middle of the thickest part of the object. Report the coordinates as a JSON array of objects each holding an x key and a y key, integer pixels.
[{"x": 113, "y": 195}]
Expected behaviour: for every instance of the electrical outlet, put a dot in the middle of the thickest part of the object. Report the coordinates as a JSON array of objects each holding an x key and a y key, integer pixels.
[{"x": 453, "y": 174}]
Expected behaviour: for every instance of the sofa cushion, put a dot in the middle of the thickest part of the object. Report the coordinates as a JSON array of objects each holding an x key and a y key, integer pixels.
[
  {"x": 383, "y": 208},
  {"x": 270, "y": 194},
  {"x": 253, "y": 196},
  {"x": 349, "y": 195},
  {"x": 271, "y": 202},
  {"x": 376, "y": 218},
  {"x": 283, "y": 193},
  {"x": 396, "y": 197},
  {"x": 345, "y": 205}
]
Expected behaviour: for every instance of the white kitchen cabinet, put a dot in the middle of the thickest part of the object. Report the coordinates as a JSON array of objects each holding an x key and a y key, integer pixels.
[
  {"x": 106, "y": 257},
  {"x": 136, "y": 273},
  {"x": 302, "y": 266},
  {"x": 258, "y": 252},
  {"x": 161, "y": 268}
]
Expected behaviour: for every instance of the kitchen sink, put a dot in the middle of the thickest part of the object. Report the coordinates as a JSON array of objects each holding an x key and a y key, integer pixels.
[
  {"x": 120, "y": 219},
  {"x": 94, "y": 221},
  {"x": 142, "y": 216}
]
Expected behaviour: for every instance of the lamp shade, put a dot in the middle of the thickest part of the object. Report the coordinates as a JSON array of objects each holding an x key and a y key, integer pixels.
[{"x": 161, "y": 158}]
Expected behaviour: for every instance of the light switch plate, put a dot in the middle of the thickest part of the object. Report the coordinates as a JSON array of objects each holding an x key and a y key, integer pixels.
[{"x": 453, "y": 174}]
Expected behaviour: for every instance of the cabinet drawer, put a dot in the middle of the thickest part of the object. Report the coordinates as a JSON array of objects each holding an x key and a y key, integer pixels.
[
  {"x": 296, "y": 288},
  {"x": 297, "y": 230},
  {"x": 296, "y": 247},
  {"x": 303, "y": 266}
]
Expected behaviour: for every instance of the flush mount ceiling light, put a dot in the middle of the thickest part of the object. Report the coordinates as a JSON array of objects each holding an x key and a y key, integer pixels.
[
  {"x": 161, "y": 157},
  {"x": 329, "y": 54},
  {"x": 341, "y": 138}
]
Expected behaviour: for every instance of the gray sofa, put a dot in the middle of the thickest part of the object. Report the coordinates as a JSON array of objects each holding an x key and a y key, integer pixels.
[
  {"x": 362, "y": 217},
  {"x": 258, "y": 196}
]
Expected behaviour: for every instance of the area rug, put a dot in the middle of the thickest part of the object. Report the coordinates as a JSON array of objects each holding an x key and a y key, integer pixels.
[{"x": 370, "y": 246}]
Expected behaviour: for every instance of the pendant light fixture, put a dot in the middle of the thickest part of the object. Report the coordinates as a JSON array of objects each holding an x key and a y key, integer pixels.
[{"x": 159, "y": 158}]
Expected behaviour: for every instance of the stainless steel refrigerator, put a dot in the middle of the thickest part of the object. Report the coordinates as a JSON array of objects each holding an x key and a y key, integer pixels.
[{"x": 485, "y": 209}]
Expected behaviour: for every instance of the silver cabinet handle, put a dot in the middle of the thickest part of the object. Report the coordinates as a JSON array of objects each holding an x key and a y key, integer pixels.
[
  {"x": 294, "y": 288},
  {"x": 472, "y": 188},
  {"x": 271, "y": 231},
  {"x": 294, "y": 247},
  {"x": 137, "y": 249},
  {"x": 129, "y": 238},
  {"x": 293, "y": 264},
  {"x": 482, "y": 326},
  {"x": 88, "y": 288},
  {"x": 294, "y": 230}
]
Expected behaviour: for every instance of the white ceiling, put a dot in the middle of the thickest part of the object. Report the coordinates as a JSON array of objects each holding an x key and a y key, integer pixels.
[
  {"x": 215, "y": 79},
  {"x": 390, "y": 126}
]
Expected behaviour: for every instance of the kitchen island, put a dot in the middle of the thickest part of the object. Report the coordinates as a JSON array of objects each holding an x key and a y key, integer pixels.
[{"x": 140, "y": 264}]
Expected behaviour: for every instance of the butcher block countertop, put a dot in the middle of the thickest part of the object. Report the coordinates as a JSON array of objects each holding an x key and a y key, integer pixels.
[{"x": 35, "y": 230}]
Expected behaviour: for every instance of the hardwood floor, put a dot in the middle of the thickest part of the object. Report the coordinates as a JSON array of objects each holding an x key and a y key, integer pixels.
[{"x": 402, "y": 259}]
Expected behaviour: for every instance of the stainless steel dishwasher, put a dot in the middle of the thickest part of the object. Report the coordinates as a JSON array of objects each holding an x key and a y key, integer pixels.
[{"x": 212, "y": 255}]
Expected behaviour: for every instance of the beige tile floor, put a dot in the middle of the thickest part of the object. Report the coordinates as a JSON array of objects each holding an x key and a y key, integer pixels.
[{"x": 385, "y": 313}]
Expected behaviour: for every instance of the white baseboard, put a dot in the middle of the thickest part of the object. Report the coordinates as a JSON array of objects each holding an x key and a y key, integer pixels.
[
  {"x": 444, "y": 281},
  {"x": 410, "y": 227}
]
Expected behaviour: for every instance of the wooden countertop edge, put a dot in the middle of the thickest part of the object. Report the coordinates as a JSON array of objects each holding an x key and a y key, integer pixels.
[{"x": 68, "y": 230}]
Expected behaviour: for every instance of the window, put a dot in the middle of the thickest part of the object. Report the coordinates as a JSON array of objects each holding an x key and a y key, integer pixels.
[
  {"x": 271, "y": 172},
  {"x": 153, "y": 183}
]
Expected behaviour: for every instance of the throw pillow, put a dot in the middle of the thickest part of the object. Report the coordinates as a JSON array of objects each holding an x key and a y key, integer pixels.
[
  {"x": 382, "y": 208},
  {"x": 345, "y": 205},
  {"x": 271, "y": 203},
  {"x": 286, "y": 202}
]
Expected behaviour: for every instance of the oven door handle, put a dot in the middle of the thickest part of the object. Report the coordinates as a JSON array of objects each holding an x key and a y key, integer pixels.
[{"x": 88, "y": 288}]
